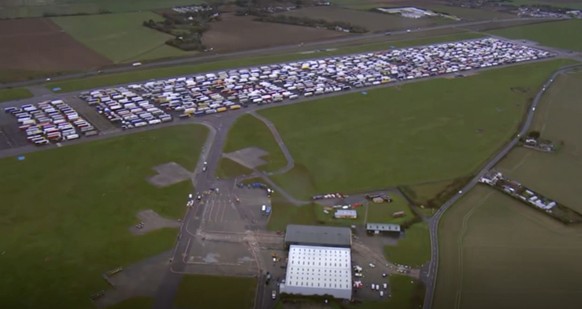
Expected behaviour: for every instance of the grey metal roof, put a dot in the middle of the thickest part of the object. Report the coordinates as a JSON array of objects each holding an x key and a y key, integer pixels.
[
  {"x": 318, "y": 235},
  {"x": 385, "y": 227}
]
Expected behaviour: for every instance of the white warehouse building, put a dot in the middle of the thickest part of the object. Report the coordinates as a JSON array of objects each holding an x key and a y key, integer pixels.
[{"x": 315, "y": 270}]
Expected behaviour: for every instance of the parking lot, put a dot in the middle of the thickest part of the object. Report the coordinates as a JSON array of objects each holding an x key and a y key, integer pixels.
[
  {"x": 159, "y": 101},
  {"x": 44, "y": 122}
]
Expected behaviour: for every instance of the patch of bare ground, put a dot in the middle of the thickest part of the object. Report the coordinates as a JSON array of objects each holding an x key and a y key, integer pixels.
[{"x": 235, "y": 33}]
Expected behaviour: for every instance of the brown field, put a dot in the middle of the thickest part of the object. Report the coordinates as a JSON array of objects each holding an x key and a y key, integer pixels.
[
  {"x": 38, "y": 45},
  {"x": 234, "y": 33},
  {"x": 370, "y": 20}
]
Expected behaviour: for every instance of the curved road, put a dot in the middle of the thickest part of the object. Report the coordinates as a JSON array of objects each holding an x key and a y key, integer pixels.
[
  {"x": 280, "y": 142},
  {"x": 434, "y": 221},
  {"x": 269, "y": 50}
]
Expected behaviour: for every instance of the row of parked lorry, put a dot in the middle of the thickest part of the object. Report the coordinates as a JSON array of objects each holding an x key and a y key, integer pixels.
[{"x": 50, "y": 121}]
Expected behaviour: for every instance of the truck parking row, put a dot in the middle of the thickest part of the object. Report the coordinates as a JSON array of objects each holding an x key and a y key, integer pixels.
[
  {"x": 50, "y": 121},
  {"x": 158, "y": 101}
]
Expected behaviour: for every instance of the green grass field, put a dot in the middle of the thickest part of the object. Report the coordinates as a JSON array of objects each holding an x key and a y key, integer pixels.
[
  {"x": 413, "y": 249},
  {"x": 382, "y": 213},
  {"x": 10, "y": 94},
  {"x": 198, "y": 291},
  {"x": 134, "y": 303},
  {"x": 415, "y": 133},
  {"x": 228, "y": 168},
  {"x": 37, "y": 8},
  {"x": 555, "y": 3},
  {"x": 120, "y": 37},
  {"x": 561, "y": 34},
  {"x": 497, "y": 252},
  {"x": 285, "y": 213},
  {"x": 142, "y": 75},
  {"x": 249, "y": 131},
  {"x": 66, "y": 212}
]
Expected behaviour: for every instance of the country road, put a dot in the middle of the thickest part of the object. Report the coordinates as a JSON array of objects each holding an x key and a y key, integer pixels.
[
  {"x": 254, "y": 52},
  {"x": 434, "y": 221}
]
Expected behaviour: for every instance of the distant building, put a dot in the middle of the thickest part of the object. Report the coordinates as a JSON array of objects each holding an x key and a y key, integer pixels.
[
  {"x": 346, "y": 214},
  {"x": 318, "y": 236},
  {"x": 377, "y": 228},
  {"x": 315, "y": 270}
]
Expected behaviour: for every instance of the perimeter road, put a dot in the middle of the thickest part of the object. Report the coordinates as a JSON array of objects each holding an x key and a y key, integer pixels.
[{"x": 434, "y": 221}]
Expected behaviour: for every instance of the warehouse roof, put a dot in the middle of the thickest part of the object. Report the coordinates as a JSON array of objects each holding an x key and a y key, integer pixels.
[
  {"x": 384, "y": 227},
  {"x": 318, "y": 235},
  {"x": 314, "y": 270}
]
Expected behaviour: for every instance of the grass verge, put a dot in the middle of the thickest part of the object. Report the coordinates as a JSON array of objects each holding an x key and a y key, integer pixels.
[
  {"x": 545, "y": 33},
  {"x": 413, "y": 249},
  {"x": 199, "y": 291},
  {"x": 10, "y": 94}
]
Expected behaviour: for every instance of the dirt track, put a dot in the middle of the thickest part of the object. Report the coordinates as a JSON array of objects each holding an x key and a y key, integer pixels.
[
  {"x": 234, "y": 33},
  {"x": 37, "y": 44}
]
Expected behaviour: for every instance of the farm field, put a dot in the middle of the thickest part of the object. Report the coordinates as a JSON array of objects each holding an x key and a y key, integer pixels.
[
  {"x": 142, "y": 75},
  {"x": 236, "y": 33},
  {"x": 249, "y": 131},
  {"x": 413, "y": 249},
  {"x": 495, "y": 250},
  {"x": 38, "y": 8},
  {"x": 467, "y": 14},
  {"x": 120, "y": 37},
  {"x": 66, "y": 214},
  {"x": 446, "y": 129},
  {"x": 569, "y": 36},
  {"x": 370, "y": 20},
  {"x": 37, "y": 46},
  {"x": 10, "y": 94},
  {"x": 573, "y": 4},
  {"x": 198, "y": 291}
]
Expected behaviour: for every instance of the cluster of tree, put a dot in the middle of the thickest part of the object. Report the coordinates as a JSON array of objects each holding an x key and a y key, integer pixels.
[
  {"x": 187, "y": 28},
  {"x": 51, "y": 14},
  {"x": 311, "y": 22}
]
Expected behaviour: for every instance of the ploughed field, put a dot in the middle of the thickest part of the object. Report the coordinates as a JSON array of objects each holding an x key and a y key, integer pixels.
[
  {"x": 234, "y": 33},
  {"x": 39, "y": 45}
]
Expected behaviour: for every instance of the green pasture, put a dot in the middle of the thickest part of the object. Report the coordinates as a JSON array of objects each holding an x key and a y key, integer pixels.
[
  {"x": 9, "y": 94},
  {"x": 284, "y": 213},
  {"x": 421, "y": 132},
  {"x": 164, "y": 72},
  {"x": 413, "y": 248},
  {"x": 496, "y": 250},
  {"x": 249, "y": 131},
  {"x": 66, "y": 214},
  {"x": 561, "y": 34},
  {"x": 120, "y": 37},
  {"x": 201, "y": 291},
  {"x": 38, "y": 8},
  {"x": 555, "y": 3}
]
